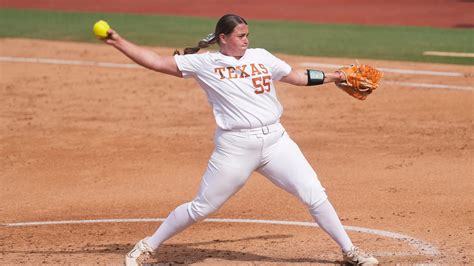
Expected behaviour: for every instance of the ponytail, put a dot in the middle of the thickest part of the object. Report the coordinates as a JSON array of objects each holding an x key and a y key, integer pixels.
[
  {"x": 225, "y": 25},
  {"x": 204, "y": 43}
]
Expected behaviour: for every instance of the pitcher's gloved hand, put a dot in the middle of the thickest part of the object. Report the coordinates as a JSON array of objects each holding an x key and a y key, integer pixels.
[{"x": 359, "y": 80}]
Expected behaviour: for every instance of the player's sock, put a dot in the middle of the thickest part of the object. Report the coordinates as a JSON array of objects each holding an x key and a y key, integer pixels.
[
  {"x": 327, "y": 219},
  {"x": 177, "y": 221}
]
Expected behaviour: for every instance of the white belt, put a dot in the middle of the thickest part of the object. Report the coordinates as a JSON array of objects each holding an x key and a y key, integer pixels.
[{"x": 257, "y": 130}]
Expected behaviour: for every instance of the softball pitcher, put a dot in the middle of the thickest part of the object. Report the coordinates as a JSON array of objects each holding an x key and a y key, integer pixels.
[{"x": 239, "y": 85}]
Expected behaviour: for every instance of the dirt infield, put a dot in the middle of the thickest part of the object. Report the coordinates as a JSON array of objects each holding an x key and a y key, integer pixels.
[{"x": 86, "y": 142}]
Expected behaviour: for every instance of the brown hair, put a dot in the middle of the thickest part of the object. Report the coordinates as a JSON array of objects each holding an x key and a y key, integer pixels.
[{"x": 225, "y": 25}]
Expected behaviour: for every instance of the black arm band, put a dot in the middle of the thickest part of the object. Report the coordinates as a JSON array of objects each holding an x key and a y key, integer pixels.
[{"x": 315, "y": 77}]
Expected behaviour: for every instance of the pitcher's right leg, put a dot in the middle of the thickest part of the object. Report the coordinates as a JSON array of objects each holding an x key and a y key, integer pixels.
[{"x": 233, "y": 160}]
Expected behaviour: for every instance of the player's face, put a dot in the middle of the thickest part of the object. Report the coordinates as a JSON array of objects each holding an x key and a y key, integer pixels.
[{"x": 237, "y": 42}]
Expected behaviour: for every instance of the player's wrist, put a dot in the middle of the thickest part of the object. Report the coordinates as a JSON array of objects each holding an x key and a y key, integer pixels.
[
  {"x": 339, "y": 76},
  {"x": 336, "y": 76}
]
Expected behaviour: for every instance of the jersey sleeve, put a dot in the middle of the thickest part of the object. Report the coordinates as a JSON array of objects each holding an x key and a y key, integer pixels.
[
  {"x": 189, "y": 64},
  {"x": 279, "y": 68}
]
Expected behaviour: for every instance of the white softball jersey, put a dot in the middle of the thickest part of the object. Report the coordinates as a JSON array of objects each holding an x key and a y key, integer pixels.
[{"x": 240, "y": 91}]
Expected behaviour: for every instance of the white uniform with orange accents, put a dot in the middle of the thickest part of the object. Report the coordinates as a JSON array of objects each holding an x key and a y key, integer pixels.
[
  {"x": 241, "y": 92},
  {"x": 249, "y": 136}
]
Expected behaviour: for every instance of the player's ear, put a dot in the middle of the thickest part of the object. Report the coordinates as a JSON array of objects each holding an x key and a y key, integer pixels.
[{"x": 222, "y": 38}]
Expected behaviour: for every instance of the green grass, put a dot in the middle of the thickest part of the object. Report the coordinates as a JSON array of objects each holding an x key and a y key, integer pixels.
[{"x": 298, "y": 38}]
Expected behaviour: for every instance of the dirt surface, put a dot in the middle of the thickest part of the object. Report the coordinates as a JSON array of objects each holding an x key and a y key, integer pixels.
[
  {"x": 86, "y": 142},
  {"x": 433, "y": 13}
]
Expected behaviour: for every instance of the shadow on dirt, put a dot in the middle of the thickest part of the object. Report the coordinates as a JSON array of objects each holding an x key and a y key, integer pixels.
[{"x": 188, "y": 253}]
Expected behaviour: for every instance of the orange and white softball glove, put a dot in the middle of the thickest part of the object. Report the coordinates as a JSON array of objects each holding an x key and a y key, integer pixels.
[{"x": 360, "y": 80}]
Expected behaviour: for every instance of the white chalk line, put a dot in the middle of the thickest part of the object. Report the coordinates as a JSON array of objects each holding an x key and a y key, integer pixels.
[
  {"x": 421, "y": 247},
  {"x": 135, "y": 66},
  {"x": 450, "y": 54},
  {"x": 428, "y": 85},
  {"x": 66, "y": 62}
]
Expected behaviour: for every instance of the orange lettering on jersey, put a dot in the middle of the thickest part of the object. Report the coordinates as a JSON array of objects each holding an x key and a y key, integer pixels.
[
  {"x": 243, "y": 74},
  {"x": 264, "y": 69},
  {"x": 262, "y": 84},
  {"x": 220, "y": 70},
  {"x": 255, "y": 70},
  {"x": 232, "y": 74}
]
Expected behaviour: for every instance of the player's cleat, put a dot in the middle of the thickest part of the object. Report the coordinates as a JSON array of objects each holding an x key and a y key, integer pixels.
[
  {"x": 357, "y": 257},
  {"x": 140, "y": 252}
]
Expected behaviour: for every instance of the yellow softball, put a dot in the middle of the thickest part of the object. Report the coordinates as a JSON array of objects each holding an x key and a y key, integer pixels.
[{"x": 100, "y": 29}]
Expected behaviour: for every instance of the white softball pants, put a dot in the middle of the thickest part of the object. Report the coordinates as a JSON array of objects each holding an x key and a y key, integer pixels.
[
  {"x": 237, "y": 154},
  {"x": 268, "y": 150}
]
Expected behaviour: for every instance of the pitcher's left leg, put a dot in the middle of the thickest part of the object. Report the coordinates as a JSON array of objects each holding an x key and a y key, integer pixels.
[{"x": 287, "y": 168}]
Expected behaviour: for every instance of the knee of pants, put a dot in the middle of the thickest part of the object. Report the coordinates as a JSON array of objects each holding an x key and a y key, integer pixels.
[
  {"x": 199, "y": 210},
  {"x": 312, "y": 197}
]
